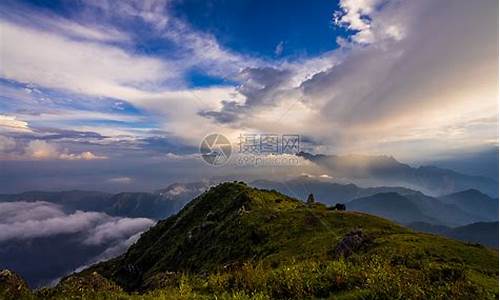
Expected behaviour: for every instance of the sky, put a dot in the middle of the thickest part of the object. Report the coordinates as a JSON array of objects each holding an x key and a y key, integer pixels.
[{"x": 119, "y": 94}]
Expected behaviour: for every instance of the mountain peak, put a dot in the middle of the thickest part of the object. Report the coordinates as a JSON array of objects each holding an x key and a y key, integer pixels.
[{"x": 238, "y": 232}]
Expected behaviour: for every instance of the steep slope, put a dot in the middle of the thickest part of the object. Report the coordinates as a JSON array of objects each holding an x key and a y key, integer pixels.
[
  {"x": 474, "y": 202},
  {"x": 262, "y": 244}
]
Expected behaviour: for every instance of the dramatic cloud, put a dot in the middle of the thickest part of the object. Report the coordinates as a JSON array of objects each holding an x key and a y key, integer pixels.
[
  {"x": 397, "y": 82},
  {"x": 409, "y": 78}
]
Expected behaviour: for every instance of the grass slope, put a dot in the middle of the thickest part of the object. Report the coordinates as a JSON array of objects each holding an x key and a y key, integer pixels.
[{"x": 238, "y": 242}]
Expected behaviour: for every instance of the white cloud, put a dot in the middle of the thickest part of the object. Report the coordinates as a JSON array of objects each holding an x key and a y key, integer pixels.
[
  {"x": 116, "y": 229},
  {"x": 11, "y": 124},
  {"x": 28, "y": 220},
  {"x": 405, "y": 59},
  {"x": 78, "y": 66},
  {"x": 42, "y": 150},
  {"x": 39, "y": 149},
  {"x": 122, "y": 179}
]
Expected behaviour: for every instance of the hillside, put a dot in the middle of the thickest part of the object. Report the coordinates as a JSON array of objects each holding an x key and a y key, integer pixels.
[{"x": 238, "y": 242}]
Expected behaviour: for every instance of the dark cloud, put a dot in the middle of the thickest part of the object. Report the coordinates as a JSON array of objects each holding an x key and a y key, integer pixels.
[
  {"x": 229, "y": 113},
  {"x": 260, "y": 86}
]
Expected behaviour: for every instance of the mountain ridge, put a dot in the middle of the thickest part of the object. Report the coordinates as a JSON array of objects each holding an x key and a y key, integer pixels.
[{"x": 429, "y": 179}]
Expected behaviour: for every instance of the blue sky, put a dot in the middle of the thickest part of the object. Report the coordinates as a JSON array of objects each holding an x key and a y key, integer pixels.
[
  {"x": 102, "y": 80},
  {"x": 258, "y": 27}
]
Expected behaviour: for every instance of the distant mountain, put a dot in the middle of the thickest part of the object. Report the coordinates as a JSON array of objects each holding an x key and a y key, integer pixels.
[
  {"x": 184, "y": 190},
  {"x": 70, "y": 200},
  {"x": 238, "y": 242},
  {"x": 399, "y": 204},
  {"x": 386, "y": 170},
  {"x": 158, "y": 205},
  {"x": 392, "y": 206},
  {"x": 142, "y": 205},
  {"x": 326, "y": 192},
  {"x": 411, "y": 208},
  {"x": 474, "y": 202},
  {"x": 485, "y": 233},
  {"x": 444, "y": 213}
]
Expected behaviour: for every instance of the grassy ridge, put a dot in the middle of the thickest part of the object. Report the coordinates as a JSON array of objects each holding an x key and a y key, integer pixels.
[{"x": 238, "y": 242}]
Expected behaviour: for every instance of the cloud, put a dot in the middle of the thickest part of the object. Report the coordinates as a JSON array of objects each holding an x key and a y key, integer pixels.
[
  {"x": 39, "y": 149},
  {"x": 87, "y": 155},
  {"x": 78, "y": 66},
  {"x": 27, "y": 220},
  {"x": 355, "y": 15},
  {"x": 410, "y": 72},
  {"x": 279, "y": 48},
  {"x": 7, "y": 144},
  {"x": 378, "y": 91},
  {"x": 396, "y": 83},
  {"x": 122, "y": 179},
  {"x": 116, "y": 229},
  {"x": 93, "y": 236},
  {"x": 11, "y": 124},
  {"x": 20, "y": 14}
]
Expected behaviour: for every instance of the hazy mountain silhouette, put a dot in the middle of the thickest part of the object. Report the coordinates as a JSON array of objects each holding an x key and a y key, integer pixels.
[
  {"x": 388, "y": 171},
  {"x": 485, "y": 233}
]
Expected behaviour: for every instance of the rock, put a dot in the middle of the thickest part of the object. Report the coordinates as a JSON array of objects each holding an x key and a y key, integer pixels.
[
  {"x": 340, "y": 206},
  {"x": 310, "y": 199},
  {"x": 353, "y": 241}
]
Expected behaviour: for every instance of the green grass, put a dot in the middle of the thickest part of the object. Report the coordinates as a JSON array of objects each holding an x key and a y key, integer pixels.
[{"x": 237, "y": 242}]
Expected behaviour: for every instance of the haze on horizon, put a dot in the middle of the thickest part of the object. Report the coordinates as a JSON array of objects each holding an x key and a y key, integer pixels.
[{"x": 115, "y": 95}]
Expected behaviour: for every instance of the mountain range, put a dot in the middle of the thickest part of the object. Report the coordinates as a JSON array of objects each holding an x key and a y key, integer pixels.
[
  {"x": 386, "y": 170},
  {"x": 239, "y": 242},
  {"x": 484, "y": 233},
  {"x": 405, "y": 206},
  {"x": 157, "y": 205},
  {"x": 399, "y": 204}
]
